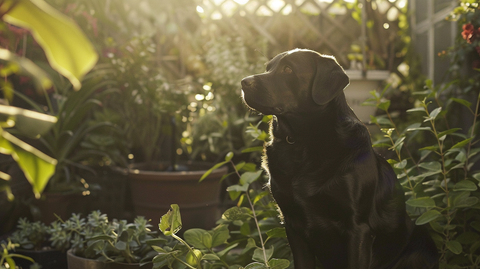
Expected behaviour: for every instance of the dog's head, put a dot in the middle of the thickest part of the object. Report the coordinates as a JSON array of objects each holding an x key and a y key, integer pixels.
[{"x": 295, "y": 81}]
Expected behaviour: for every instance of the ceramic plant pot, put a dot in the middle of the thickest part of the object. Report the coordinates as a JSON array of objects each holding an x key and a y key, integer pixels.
[
  {"x": 154, "y": 191},
  {"x": 359, "y": 90}
]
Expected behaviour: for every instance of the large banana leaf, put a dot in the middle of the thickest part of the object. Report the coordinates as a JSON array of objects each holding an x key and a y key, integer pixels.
[{"x": 68, "y": 50}]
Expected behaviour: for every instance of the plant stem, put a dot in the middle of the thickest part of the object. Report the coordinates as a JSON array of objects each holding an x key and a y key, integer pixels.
[
  {"x": 189, "y": 249},
  {"x": 256, "y": 221}
]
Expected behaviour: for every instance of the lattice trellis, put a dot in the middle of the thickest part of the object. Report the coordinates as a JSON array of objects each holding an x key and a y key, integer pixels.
[{"x": 327, "y": 26}]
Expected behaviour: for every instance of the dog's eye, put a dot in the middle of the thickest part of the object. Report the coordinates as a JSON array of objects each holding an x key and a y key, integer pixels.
[{"x": 287, "y": 70}]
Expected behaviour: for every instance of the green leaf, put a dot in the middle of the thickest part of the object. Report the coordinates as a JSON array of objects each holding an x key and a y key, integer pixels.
[
  {"x": 454, "y": 246},
  {"x": 465, "y": 202},
  {"x": 259, "y": 257},
  {"x": 384, "y": 105},
  {"x": 277, "y": 233},
  {"x": 447, "y": 132},
  {"x": 237, "y": 188},
  {"x": 421, "y": 202},
  {"x": 37, "y": 167},
  {"x": 67, "y": 49},
  {"x": 210, "y": 257},
  {"x": 227, "y": 249},
  {"x": 465, "y": 185},
  {"x": 220, "y": 235},
  {"x": 475, "y": 225},
  {"x": 462, "y": 102},
  {"x": 209, "y": 171},
  {"x": 468, "y": 238},
  {"x": 279, "y": 263},
  {"x": 432, "y": 166},
  {"x": 256, "y": 265},
  {"x": 171, "y": 222},
  {"x": 249, "y": 177},
  {"x": 435, "y": 112},
  {"x": 416, "y": 109},
  {"x": 401, "y": 164},
  {"x": 462, "y": 143},
  {"x": 198, "y": 238},
  {"x": 229, "y": 156},
  {"x": 427, "y": 217},
  {"x": 236, "y": 213}
]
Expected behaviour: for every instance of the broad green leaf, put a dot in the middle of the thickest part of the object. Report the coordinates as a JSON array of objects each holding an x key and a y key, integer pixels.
[
  {"x": 121, "y": 245},
  {"x": 220, "y": 235},
  {"x": 65, "y": 45},
  {"x": 454, "y": 246},
  {"x": 210, "y": 257},
  {"x": 476, "y": 176},
  {"x": 237, "y": 188},
  {"x": 462, "y": 102},
  {"x": 249, "y": 177},
  {"x": 427, "y": 217},
  {"x": 259, "y": 256},
  {"x": 279, "y": 263},
  {"x": 465, "y": 202},
  {"x": 432, "y": 166},
  {"x": 236, "y": 213},
  {"x": 37, "y": 167},
  {"x": 421, "y": 202},
  {"x": 401, "y": 164},
  {"x": 277, "y": 233},
  {"x": 465, "y": 185},
  {"x": 29, "y": 123},
  {"x": 171, "y": 222},
  {"x": 198, "y": 238},
  {"x": 468, "y": 238}
]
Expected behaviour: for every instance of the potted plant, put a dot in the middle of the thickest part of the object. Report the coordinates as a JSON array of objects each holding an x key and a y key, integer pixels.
[
  {"x": 32, "y": 240},
  {"x": 380, "y": 49},
  {"x": 97, "y": 242},
  {"x": 152, "y": 112}
]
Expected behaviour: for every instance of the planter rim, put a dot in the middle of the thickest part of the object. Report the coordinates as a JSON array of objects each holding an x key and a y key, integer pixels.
[
  {"x": 371, "y": 74},
  {"x": 134, "y": 171},
  {"x": 71, "y": 254}
]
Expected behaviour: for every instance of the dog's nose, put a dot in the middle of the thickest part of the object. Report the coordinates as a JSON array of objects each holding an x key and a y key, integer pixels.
[{"x": 248, "y": 82}]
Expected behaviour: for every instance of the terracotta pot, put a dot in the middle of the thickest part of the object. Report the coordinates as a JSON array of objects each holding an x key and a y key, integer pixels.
[
  {"x": 59, "y": 204},
  {"x": 51, "y": 259},
  {"x": 153, "y": 192},
  {"x": 75, "y": 262}
]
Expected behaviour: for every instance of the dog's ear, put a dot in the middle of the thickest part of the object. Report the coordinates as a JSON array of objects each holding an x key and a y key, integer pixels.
[{"x": 329, "y": 80}]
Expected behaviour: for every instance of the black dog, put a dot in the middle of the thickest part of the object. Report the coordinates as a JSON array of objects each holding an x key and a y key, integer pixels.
[{"x": 341, "y": 202}]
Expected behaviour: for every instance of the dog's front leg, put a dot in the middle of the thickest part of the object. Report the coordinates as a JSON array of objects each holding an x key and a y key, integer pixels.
[
  {"x": 360, "y": 248},
  {"x": 303, "y": 257}
]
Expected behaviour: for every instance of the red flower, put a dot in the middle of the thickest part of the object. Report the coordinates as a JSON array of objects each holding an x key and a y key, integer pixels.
[{"x": 469, "y": 33}]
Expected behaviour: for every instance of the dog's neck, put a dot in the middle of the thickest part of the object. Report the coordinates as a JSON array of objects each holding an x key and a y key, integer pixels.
[{"x": 293, "y": 127}]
